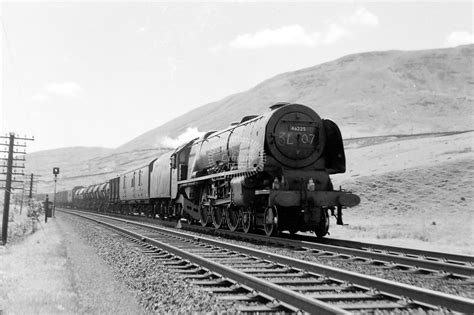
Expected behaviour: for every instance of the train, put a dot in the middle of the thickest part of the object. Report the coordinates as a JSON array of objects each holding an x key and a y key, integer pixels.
[{"x": 268, "y": 172}]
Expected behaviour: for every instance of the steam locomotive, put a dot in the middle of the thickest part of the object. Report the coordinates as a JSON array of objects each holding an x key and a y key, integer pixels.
[{"x": 269, "y": 172}]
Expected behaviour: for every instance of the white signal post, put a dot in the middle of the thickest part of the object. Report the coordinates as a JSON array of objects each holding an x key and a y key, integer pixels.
[{"x": 55, "y": 172}]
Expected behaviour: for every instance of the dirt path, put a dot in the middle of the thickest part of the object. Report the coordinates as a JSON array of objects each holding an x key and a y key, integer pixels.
[{"x": 54, "y": 271}]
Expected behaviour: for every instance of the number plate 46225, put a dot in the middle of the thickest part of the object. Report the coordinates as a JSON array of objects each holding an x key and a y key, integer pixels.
[{"x": 297, "y": 128}]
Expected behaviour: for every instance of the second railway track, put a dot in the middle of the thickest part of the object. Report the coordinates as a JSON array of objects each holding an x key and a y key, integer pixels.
[
  {"x": 445, "y": 265},
  {"x": 299, "y": 285}
]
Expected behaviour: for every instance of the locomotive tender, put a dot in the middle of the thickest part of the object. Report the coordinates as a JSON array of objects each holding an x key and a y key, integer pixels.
[{"x": 268, "y": 172}]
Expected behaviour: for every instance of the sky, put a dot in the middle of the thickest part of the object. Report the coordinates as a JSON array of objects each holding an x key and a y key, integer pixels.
[{"x": 102, "y": 73}]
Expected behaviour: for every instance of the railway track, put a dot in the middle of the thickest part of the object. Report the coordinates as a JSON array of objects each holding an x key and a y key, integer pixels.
[
  {"x": 269, "y": 282},
  {"x": 439, "y": 264}
]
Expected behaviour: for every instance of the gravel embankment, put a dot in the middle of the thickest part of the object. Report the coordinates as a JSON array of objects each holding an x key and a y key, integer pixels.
[{"x": 158, "y": 289}]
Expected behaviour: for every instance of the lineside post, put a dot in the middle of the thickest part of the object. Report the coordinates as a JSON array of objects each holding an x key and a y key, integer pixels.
[
  {"x": 30, "y": 195},
  {"x": 55, "y": 172}
]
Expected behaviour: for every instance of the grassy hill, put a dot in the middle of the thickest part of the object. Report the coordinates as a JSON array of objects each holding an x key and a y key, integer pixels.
[{"x": 368, "y": 94}]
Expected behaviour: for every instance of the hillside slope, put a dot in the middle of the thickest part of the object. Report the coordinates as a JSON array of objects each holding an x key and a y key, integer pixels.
[
  {"x": 369, "y": 94},
  {"x": 374, "y": 93}
]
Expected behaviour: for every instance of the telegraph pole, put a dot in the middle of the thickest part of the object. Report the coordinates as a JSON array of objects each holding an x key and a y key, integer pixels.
[
  {"x": 9, "y": 173},
  {"x": 30, "y": 186},
  {"x": 30, "y": 195}
]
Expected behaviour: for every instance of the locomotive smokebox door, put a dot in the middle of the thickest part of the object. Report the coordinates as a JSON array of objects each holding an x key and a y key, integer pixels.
[
  {"x": 295, "y": 136},
  {"x": 55, "y": 170}
]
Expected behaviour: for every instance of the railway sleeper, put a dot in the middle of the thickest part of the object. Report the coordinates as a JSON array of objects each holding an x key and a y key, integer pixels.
[
  {"x": 450, "y": 276},
  {"x": 226, "y": 290},
  {"x": 197, "y": 271},
  {"x": 169, "y": 263},
  {"x": 358, "y": 305},
  {"x": 206, "y": 275},
  {"x": 243, "y": 261},
  {"x": 397, "y": 267},
  {"x": 302, "y": 282},
  {"x": 187, "y": 271},
  {"x": 320, "y": 289},
  {"x": 173, "y": 262},
  {"x": 199, "y": 250},
  {"x": 419, "y": 271},
  {"x": 161, "y": 256},
  {"x": 375, "y": 262},
  {"x": 243, "y": 298},
  {"x": 215, "y": 282},
  {"x": 269, "y": 269},
  {"x": 269, "y": 308},
  {"x": 268, "y": 276},
  {"x": 346, "y": 296},
  {"x": 184, "y": 267},
  {"x": 148, "y": 251},
  {"x": 261, "y": 266},
  {"x": 324, "y": 254},
  {"x": 214, "y": 256}
]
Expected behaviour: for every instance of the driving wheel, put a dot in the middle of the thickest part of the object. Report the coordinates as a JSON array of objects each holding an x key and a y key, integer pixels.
[{"x": 270, "y": 221}]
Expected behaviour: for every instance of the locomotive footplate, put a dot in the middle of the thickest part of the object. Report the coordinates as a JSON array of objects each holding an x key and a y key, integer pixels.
[{"x": 295, "y": 198}]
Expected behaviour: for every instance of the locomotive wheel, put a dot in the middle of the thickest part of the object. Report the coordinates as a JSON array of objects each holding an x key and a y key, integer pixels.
[
  {"x": 323, "y": 227},
  {"x": 217, "y": 217},
  {"x": 270, "y": 221},
  {"x": 205, "y": 215},
  {"x": 247, "y": 221},
  {"x": 232, "y": 217}
]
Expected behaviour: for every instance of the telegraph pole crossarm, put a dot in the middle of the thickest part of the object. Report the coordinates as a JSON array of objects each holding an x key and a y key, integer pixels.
[
  {"x": 12, "y": 181},
  {"x": 14, "y": 152},
  {"x": 12, "y": 188},
  {"x": 14, "y": 159}
]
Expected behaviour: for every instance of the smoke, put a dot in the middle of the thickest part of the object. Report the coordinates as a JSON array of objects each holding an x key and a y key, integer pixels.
[{"x": 189, "y": 134}]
